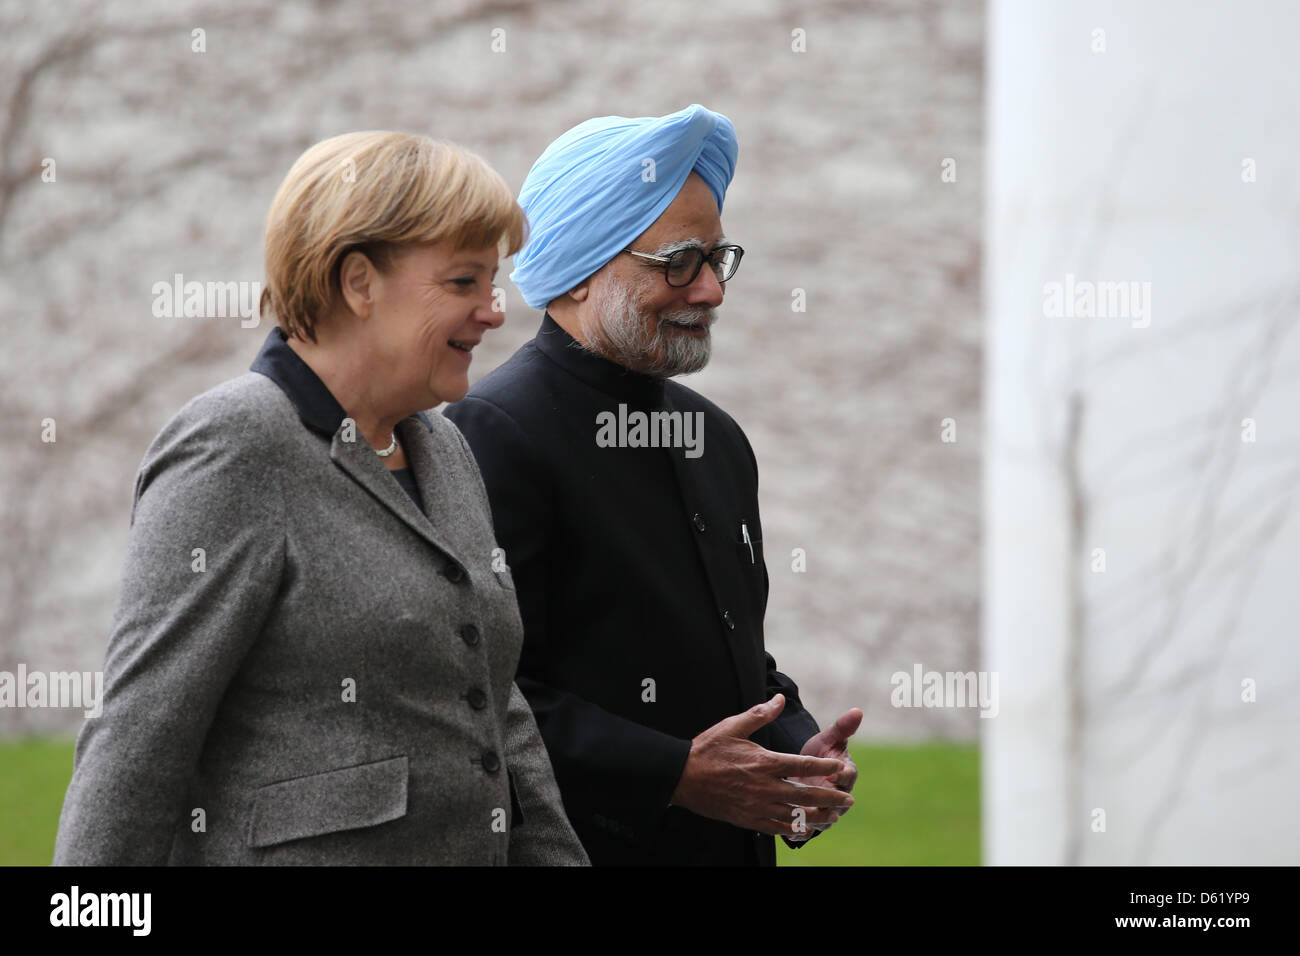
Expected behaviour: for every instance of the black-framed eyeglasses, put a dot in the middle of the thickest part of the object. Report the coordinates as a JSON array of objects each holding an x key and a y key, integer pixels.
[{"x": 681, "y": 268}]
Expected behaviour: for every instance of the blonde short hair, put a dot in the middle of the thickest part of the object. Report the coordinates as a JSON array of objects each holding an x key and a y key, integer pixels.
[{"x": 375, "y": 192}]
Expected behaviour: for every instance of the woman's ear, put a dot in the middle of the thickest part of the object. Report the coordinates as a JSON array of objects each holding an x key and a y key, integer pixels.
[{"x": 356, "y": 277}]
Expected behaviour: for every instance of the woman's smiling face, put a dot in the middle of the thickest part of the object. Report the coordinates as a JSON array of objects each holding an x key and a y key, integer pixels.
[{"x": 430, "y": 308}]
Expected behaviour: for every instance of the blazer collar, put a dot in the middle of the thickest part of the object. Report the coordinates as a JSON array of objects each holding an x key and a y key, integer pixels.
[
  {"x": 321, "y": 412},
  {"x": 316, "y": 405},
  {"x": 609, "y": 377}
]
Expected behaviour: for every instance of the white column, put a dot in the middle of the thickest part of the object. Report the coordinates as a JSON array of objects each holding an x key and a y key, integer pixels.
[{"x": 1142, "y": 453}]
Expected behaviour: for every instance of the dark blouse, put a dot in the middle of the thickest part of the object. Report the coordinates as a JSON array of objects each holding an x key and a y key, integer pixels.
[{"x": 406, "y": 478}]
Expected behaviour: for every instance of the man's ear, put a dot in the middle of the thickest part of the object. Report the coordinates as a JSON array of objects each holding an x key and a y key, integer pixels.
[
  {"x": 579, "y": 293},
  {"x": 356, "y": 273}
]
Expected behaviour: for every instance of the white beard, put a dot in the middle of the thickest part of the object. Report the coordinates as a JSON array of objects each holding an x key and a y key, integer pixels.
[{"x": 617, "y": 330}]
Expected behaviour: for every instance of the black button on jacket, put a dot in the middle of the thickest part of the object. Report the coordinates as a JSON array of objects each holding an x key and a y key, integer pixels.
[{"x": 642, "y": 586}]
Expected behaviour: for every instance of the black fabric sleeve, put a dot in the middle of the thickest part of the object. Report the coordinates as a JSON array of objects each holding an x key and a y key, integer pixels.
[{"x": 789, "y": 732}]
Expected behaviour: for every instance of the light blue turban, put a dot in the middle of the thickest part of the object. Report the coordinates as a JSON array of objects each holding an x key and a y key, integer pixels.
[{"x": 592, "y": 191}]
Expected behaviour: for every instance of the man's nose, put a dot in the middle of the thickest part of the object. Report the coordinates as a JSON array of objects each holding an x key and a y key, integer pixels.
[{"x": 706, "y": 289}]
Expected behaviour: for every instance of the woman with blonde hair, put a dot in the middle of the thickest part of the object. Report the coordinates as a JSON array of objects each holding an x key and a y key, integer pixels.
[{"x": 313, "y": 652}]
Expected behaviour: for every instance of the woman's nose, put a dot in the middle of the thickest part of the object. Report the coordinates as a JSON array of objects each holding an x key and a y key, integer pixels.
[{"x": 492, "y": 313}]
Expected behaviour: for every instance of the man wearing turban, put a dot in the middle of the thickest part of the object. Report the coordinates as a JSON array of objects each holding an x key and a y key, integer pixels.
[{"x": 627, "y": 507}]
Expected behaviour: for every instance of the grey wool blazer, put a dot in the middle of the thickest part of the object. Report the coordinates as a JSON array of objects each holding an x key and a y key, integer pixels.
[{"x": 305, "y": 669}]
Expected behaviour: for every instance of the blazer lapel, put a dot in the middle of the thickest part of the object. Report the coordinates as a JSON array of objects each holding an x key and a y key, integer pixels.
[
  {"x": 444, "y": 505},
  {"x": 363, "y": 466}
]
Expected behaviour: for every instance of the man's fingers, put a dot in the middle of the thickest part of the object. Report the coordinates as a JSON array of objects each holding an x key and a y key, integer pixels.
[
  {"x": 819, "y": 818},
  {"x": 800, "y": 765},
  {"x": 797, "y": 796},
  {"x": 797, "y": 830},
  {"x": 798, "y": 823},
  {"x": 847, "y": 777},
  {"x": 846, "y": 725},
  {"x": 745, "y": 723},
  {"x": 835, "y": 738}
]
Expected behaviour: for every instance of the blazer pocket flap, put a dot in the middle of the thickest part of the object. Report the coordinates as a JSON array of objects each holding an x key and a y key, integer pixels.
[{"x": 346, "y": 799}]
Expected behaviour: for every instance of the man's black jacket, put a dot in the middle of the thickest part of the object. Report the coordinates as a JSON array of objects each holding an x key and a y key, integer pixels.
[{"x": 642, "y": 601}]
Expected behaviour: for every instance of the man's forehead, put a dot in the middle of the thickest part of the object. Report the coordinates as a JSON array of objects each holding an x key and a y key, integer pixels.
[{"x": 693, "y": 214}]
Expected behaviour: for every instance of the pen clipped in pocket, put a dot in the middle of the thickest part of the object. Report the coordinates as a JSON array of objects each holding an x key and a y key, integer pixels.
[{"x": 749, "y": 539}]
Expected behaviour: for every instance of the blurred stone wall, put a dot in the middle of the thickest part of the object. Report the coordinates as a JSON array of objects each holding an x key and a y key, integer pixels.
[{"x": 165, "y": 158}]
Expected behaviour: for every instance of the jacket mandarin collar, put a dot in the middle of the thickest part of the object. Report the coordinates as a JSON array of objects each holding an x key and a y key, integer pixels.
[
  {"x": 602, "y": 374},
  {"x": 316, "y": 405}
]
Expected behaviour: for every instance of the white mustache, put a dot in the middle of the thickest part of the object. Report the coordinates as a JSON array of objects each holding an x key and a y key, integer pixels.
[{"x": 705, "y": 315}]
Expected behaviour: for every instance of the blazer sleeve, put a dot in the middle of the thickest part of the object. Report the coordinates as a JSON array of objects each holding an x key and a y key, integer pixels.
[
  {"x": 614, "y": 773},
  {"x": 547, "y": 837},
  {"x": 201, "y": 573}
]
